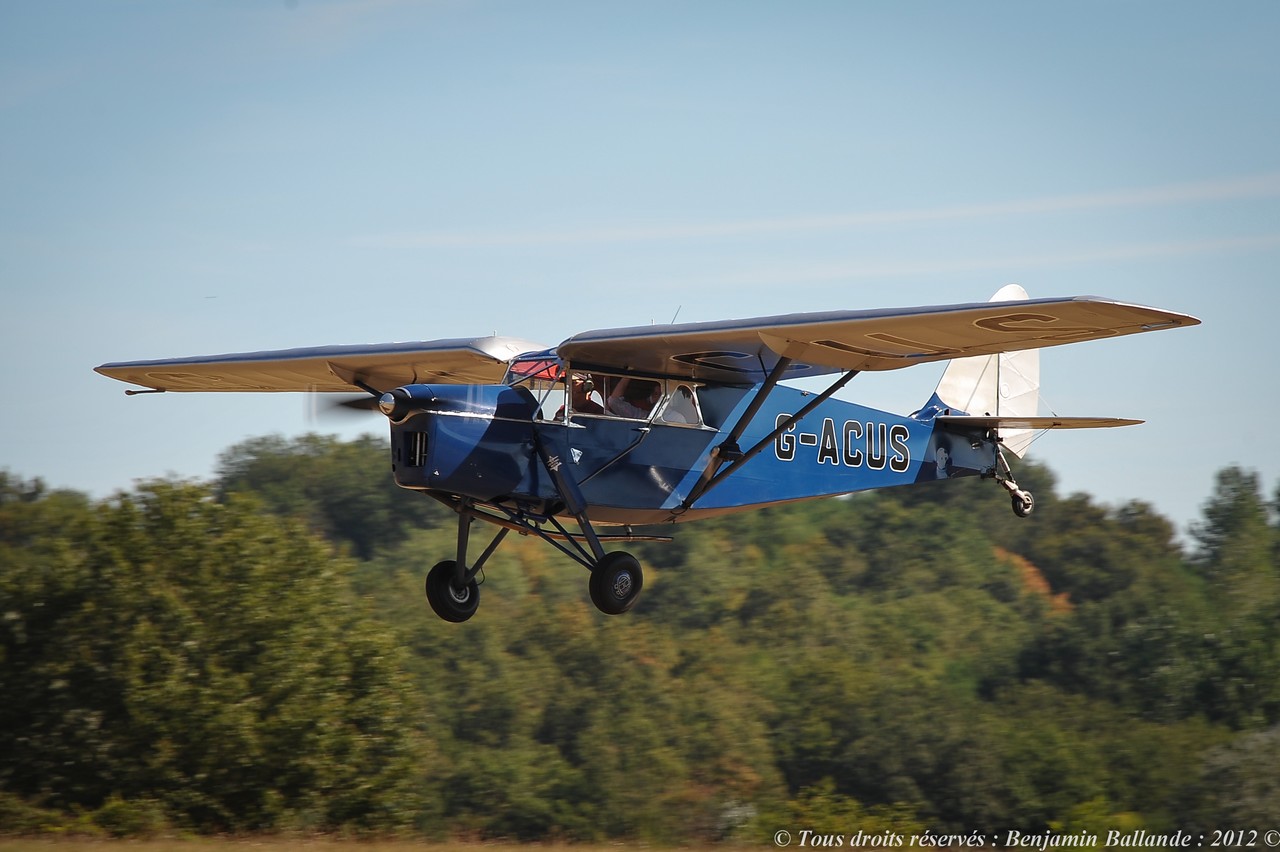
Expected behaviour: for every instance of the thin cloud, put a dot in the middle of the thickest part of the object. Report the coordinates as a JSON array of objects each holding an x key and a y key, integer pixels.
[
  {"x": 879, "y": 270},
  {"x": 1257, "y": 186}
]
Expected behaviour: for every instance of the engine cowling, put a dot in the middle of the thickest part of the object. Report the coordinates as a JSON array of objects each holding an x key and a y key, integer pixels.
[{"x": 471, "y": 440}]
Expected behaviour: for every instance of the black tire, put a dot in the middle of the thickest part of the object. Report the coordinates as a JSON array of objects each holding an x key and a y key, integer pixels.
[
  {"x": 616, "y": 582},
  {"x": 1023, "y": 504},
  {"x": 451, "y": 604}
]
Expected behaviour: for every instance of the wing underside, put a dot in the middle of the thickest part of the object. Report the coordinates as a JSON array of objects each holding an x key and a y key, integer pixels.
[
  {"x": 733, "y": 351},
  {"x": 328, "y": 369},
  {"x": 746, "y": 350}
]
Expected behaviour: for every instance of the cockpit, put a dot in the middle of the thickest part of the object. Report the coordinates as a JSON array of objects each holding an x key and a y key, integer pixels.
[{"x": 567, "y": 395}]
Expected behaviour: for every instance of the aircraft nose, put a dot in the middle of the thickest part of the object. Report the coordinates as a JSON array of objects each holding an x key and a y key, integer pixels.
[{"x": 396, "y": 405}]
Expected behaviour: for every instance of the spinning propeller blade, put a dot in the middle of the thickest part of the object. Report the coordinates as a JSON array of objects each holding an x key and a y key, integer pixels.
[{"x": 328, "y": 405}]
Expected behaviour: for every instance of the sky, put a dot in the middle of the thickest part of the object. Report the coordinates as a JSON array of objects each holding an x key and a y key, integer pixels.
[{"x": 224, "y": 175}]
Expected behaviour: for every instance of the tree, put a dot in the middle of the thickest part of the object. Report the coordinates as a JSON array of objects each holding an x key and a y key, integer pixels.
[
  {"x": 1237, "y": 544},
  {"x": 1238, "y": 785},
  {"x": 167, "y": 647},
  {"x": 344, "y": 490}
]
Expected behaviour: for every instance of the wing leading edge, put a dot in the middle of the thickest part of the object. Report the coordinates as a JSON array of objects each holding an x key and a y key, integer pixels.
[
  {"x": 745, "y": 350},
  {"x": 734, "y": 351},
  {"x": 330, "y": 369}
]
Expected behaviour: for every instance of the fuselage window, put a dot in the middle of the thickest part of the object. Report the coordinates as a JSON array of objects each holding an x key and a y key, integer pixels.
[
  {"x": 681, "y": 407},
  {"x": 563, "y": 394},
  {"x": 633, "y": 398},
  {"x": 630, "y": 397}
]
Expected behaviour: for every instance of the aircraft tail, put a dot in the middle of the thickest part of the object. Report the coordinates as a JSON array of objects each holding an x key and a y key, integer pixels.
[{"x": 1003, "y": 385}]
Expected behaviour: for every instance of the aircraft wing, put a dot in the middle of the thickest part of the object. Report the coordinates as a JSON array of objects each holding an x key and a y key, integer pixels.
[
  {"x": 1035, "y": 423},
  {"x": 330, "y": 368},
  {"x": 744, "y": 351}
]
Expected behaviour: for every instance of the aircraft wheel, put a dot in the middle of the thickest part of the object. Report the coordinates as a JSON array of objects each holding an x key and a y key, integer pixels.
[
  {"x": 1023, "y": 503},
  {"x": 451, "y": 604},
  {"x": 616, "y": 582}
]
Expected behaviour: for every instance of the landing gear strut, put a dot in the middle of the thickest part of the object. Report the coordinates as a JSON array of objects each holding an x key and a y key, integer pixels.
[
  {"x": 453, "y": 590},
  {"x": 1024, "y": 503}
]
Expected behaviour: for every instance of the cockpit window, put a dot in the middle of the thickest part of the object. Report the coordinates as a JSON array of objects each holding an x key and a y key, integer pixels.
[
  {"x": 632, "y": 398},
  {"x": 544, "y": 378},
  {"x": 564, "y": 394},
  {"x": 668, "y": 402},
  {"x": 584, "y": 398}
]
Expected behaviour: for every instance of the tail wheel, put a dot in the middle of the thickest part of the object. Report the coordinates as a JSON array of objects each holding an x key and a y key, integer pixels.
[
  {"x": 616, "y": 582},
  {"x": 450, "y": 603}
]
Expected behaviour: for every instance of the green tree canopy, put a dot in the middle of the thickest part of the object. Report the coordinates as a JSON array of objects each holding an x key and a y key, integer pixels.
[
  {"x": 255, "y": 654},
  {"x": 201, "y": 654}
]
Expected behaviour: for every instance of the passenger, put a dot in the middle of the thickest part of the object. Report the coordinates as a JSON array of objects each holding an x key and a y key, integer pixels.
[
  {"x": 634, "y": 399},
  {"x": 680, "y": 408}
]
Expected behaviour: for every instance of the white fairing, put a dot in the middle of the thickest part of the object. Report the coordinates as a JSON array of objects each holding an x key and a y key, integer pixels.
[{"x": 1007, "y": 384}]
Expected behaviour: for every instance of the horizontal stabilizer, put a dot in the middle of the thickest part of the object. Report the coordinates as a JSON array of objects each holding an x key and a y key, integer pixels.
[{"x": 1033, "y": 423}]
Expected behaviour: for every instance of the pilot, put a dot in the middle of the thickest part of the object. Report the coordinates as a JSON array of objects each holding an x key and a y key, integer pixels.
[
  {"x": 634, "y": 399},
  {"x": 580, "y": 388}
]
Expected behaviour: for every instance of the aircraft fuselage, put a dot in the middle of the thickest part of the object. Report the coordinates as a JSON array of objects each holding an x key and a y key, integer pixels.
[{"x": 492, "y": 444}]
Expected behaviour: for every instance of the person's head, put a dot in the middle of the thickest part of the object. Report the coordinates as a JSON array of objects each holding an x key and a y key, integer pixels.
[
  {"x": 642, "y": 393},
  {"x": 581, "y": 387}
]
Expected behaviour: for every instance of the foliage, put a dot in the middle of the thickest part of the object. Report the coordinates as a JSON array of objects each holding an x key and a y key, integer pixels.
[
  {"x": 164, "y": 647},
  {"x": 328, "y": 484},
  {"x": 202, "y": 657}
]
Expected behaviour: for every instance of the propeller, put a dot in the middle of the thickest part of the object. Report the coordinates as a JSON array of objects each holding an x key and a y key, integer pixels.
[
  {"x": 364, "y": 402},
  {"x": 395, "y": 405},
  {"x": 328, "y": 405}
]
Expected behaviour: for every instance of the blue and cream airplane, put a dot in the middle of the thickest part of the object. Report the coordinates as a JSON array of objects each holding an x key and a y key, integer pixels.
[{"x": 670, "y": 423}]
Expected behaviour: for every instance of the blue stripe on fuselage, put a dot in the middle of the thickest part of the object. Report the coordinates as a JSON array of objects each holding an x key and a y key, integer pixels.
[{"x": 837, "y": 448}]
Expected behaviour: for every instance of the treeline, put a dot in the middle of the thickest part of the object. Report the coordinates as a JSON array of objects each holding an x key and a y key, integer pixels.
[{"x": 253, "y": 654}]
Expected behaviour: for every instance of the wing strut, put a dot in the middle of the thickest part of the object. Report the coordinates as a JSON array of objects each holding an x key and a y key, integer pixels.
[{"x": 729, "y": 451}]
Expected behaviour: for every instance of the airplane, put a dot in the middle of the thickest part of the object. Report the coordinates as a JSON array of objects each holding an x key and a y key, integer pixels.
[{"x": 664, "y": 424}]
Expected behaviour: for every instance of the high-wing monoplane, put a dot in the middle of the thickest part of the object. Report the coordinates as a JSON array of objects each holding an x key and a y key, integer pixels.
[{"x": 661, "y": 424}]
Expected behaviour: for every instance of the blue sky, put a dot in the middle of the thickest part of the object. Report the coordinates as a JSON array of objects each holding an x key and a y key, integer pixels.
[{"x": 204, "y": 177}]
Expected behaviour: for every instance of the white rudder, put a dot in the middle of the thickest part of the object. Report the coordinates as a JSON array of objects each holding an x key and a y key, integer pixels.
[{"x": 1007, "y": 384}]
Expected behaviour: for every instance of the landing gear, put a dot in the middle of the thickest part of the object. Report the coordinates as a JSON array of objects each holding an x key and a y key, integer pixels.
[
  {"x": 450, "y": 602},
  {"x": 453, "y": 588},
  {"x": 616, "y": 581},
  {"x": 1023, "y": 501}
]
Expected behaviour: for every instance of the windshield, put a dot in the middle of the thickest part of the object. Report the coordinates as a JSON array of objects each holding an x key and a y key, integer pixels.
[
  {"x": 525, "y": 369},
  {"x": 544, "y": 378}
]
